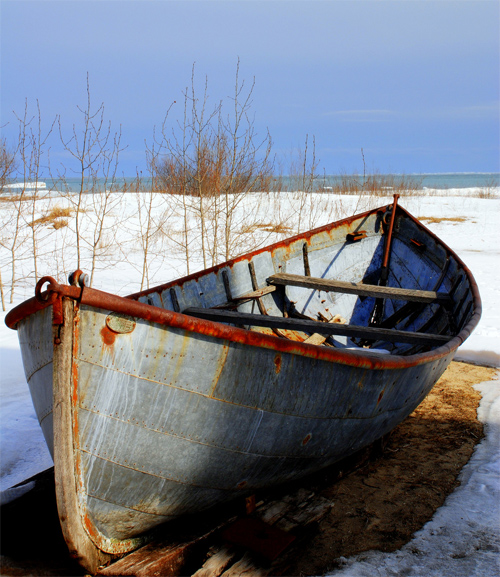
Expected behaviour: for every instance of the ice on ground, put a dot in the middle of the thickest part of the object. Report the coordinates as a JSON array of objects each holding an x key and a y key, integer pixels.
[{"x": 23, "y": 449}]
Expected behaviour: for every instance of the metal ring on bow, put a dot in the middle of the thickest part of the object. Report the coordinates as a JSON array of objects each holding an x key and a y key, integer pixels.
[
  {"x": 38, "y": 289},
  {"x": 387, "y": 217}
]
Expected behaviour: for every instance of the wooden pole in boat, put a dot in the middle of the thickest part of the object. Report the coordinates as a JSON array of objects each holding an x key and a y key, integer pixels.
[
  {"x": 384, "y": 273},
  {"x": 388, "y": 241}
]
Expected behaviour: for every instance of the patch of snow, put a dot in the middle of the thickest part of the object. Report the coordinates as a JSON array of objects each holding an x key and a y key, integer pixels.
[
  {"x": 23, "y": 449},
  {"x": 13, "y": 493}
]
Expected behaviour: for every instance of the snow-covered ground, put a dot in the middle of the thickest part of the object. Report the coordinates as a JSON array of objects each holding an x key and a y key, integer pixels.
[{"x": 463, "y": 538}]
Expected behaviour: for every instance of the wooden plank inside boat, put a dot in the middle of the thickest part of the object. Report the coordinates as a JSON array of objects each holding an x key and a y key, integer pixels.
[
  {"x": 359, "y": 289},
  {"x": 257, "y": 294},
  {"x": 390, "y": 335}
]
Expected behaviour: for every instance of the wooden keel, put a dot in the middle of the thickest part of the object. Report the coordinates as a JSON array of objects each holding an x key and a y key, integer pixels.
[{"x": 80, "y": 545}]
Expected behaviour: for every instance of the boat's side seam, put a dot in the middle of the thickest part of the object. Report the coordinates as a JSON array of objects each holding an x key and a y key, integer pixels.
[
  {"x": 30, "y": 376},
  {"x": 226, "y": 449},
  {"x": 156, "y": 515},
  {"x": 162, "y": 477},
  {"x": 213, "y": 398},
  {"x": 45, "y": 415}
]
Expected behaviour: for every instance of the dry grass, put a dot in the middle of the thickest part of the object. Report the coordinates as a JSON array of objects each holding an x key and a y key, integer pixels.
[
  {"x": 57, "y": 217},
  {"x": 11, "y": 198},
  {"x": 374, "y": 184},
  {"x": 60, "y": 223},
  {"x": 267, "y": 227},
  {"x": 436, "y": 219},
  {"x": 486, "y": 193}
]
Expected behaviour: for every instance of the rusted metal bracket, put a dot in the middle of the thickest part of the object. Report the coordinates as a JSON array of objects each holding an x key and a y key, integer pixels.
[
  {"x": 79, "y": 278},
  {"x": 57, "y": 312},
  {"x": 356, "y": 236},
  {"x": 50, "y": 297}
]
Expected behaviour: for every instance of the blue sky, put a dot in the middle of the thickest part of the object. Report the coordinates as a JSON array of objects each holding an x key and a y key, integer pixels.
[{"x": 415, "y": 84}]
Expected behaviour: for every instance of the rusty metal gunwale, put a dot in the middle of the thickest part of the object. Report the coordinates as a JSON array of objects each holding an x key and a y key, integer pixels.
[
  {"x": 250, "y": 255},
  {"x": 109, "y": 302},
  {"x": 129, "y": 305}
]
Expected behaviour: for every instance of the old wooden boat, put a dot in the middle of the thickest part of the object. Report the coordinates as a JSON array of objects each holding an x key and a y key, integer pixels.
[{"x": 254, "y": 372}]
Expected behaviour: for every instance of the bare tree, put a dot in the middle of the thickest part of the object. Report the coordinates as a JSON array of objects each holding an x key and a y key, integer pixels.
[
  {"x": 30, "y": 151},
  {"x": 245, "y": 169},
  {"x": 7, "y": 167},
  {"x": 7, "y": 163},
  {"x": 212, "y": 161},
  {"x": 37, "y": 149},
  {"x": 105, "y": 200},
  {"x": 95, "y": 151},
  {"x": 87, "y": 146},
  {"x": 169, "y": 165}
]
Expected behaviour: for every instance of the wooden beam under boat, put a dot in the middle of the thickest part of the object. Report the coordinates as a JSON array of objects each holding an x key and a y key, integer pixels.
[
  {"x": 311, "y": 326},
  {"x": 359, "y": 289}
]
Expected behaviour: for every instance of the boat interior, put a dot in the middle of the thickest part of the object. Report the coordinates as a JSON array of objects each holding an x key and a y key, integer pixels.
[{"x": 379, "y": 283}]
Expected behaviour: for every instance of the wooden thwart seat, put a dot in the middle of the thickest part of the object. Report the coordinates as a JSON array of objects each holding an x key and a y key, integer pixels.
[
  {"x": 256, "y": 294},
  {"x": 311, "y": 326},
  {"x": 359, "y": 289}
]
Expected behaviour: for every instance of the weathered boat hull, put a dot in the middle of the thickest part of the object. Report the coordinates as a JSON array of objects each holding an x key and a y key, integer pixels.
[{"x": 157, "y": 414}]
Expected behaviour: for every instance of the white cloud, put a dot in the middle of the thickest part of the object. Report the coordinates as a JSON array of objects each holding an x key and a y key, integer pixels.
[{"x": 483, "y": 111}]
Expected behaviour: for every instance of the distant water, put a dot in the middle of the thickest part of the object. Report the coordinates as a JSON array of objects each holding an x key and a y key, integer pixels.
[
  {"x": 459, "y": 180},
  {"x": 443, "y": 181}
]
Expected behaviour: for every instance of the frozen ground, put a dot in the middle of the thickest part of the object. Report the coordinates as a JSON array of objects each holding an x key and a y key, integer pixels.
[{"x": 463, "y": 538}]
